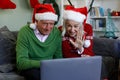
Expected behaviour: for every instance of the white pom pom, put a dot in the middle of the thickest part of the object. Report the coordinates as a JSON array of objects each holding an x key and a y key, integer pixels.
[
  {"x": 87, "y": 43},
  {"x": 33, "y": 26}
]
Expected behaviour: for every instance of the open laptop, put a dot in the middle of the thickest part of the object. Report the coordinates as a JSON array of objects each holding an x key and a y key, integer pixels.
[{"x": 85, "y": 68}]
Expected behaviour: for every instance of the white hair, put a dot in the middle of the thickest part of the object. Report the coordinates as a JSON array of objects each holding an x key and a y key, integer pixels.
[{"x": 64, "y": 26}]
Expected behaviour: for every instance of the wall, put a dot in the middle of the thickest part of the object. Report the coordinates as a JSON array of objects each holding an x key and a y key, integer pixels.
[
  {"x": 114, "y": 5},
  {"x": 14, "y": 19}
]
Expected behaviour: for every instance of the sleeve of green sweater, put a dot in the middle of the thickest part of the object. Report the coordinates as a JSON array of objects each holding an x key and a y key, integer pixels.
[
  {"x": 23, "y": 61},
  {"x": 58, "y": 53}
]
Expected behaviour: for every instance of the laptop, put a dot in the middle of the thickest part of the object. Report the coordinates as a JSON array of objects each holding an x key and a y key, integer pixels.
[{"x": 84, "y": 68}]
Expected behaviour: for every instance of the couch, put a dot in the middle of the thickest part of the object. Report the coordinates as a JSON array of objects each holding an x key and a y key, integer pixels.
[{"x": 107, "y": 48}]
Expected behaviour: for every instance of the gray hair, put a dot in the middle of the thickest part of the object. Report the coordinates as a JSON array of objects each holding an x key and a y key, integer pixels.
[{"x": 64, "y": 26}]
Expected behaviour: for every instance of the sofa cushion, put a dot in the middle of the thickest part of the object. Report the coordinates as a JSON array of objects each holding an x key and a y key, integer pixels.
[
  {"x": 10, "y": 76},
  {"x": 104, "y": 47},
  {"x": 7, "y": 33},
  {"x": 4, "y": 68},
  {"x": 117, "y": 47},
  {"x": 7, "y": 50}
]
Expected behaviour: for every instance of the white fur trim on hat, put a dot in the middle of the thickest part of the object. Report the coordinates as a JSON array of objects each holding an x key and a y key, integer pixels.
[
  {"x": 33, "y": 26},
  {"x": 80, "y": 51},
  {"x": 72, "y": 15},
  {"x": 46, "y": 16},
  {"x": 87, "y": 43}
]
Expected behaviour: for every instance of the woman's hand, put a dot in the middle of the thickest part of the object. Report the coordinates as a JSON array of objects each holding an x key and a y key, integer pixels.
[
  {"x": 85, "y": 55},
  {"x": 79, "y": 41}
]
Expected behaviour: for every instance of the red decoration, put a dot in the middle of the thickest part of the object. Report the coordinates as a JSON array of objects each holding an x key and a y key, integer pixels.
[
  {"x": 33, "y": 3},
  {"x": 78, "y": 14},
  {"x": 7, "y": 4},
  {"x": 115, "y": 13},
  {"x": 44, "y": 8}
]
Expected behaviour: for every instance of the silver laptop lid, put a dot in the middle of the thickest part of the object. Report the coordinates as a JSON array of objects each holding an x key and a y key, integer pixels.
[{"x": 86, "y": 68}]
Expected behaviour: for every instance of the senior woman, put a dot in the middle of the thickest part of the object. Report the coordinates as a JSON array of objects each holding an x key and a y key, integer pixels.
[{"x": 77, "y": 34}]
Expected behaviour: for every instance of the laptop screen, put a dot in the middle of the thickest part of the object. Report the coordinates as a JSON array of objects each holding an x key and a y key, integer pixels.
[{"x": 84, "y": 68}]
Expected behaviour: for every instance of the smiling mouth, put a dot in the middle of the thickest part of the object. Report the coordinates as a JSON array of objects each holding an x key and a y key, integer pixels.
[{"x": 72, "y": 33}]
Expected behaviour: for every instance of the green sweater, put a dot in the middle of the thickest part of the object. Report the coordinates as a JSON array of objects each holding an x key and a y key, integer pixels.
[{"x": 30, "y": 51}]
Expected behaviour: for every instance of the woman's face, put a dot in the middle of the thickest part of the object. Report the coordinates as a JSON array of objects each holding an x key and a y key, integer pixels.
[{"x": 72, "y": 27}]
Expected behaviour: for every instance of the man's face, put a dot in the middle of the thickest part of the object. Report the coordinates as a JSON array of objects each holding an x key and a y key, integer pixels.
[
  {"x": 45, "y": 26},
  {"x": 72, "y": 27}
]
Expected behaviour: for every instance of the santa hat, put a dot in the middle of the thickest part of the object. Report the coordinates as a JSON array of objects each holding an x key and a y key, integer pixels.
[
  {"x": 33, "y": 3},
  {"x": 7, "y": 4},
  {"x": 43, "y": 12},
  {"x": 76, "y": 14}
]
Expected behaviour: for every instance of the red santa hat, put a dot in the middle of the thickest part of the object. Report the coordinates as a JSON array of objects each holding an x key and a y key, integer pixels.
[
  {"x": 76, "y": 14},
  {"x": 7, "y": 4},
  {"x": 43, "y": 12}
]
